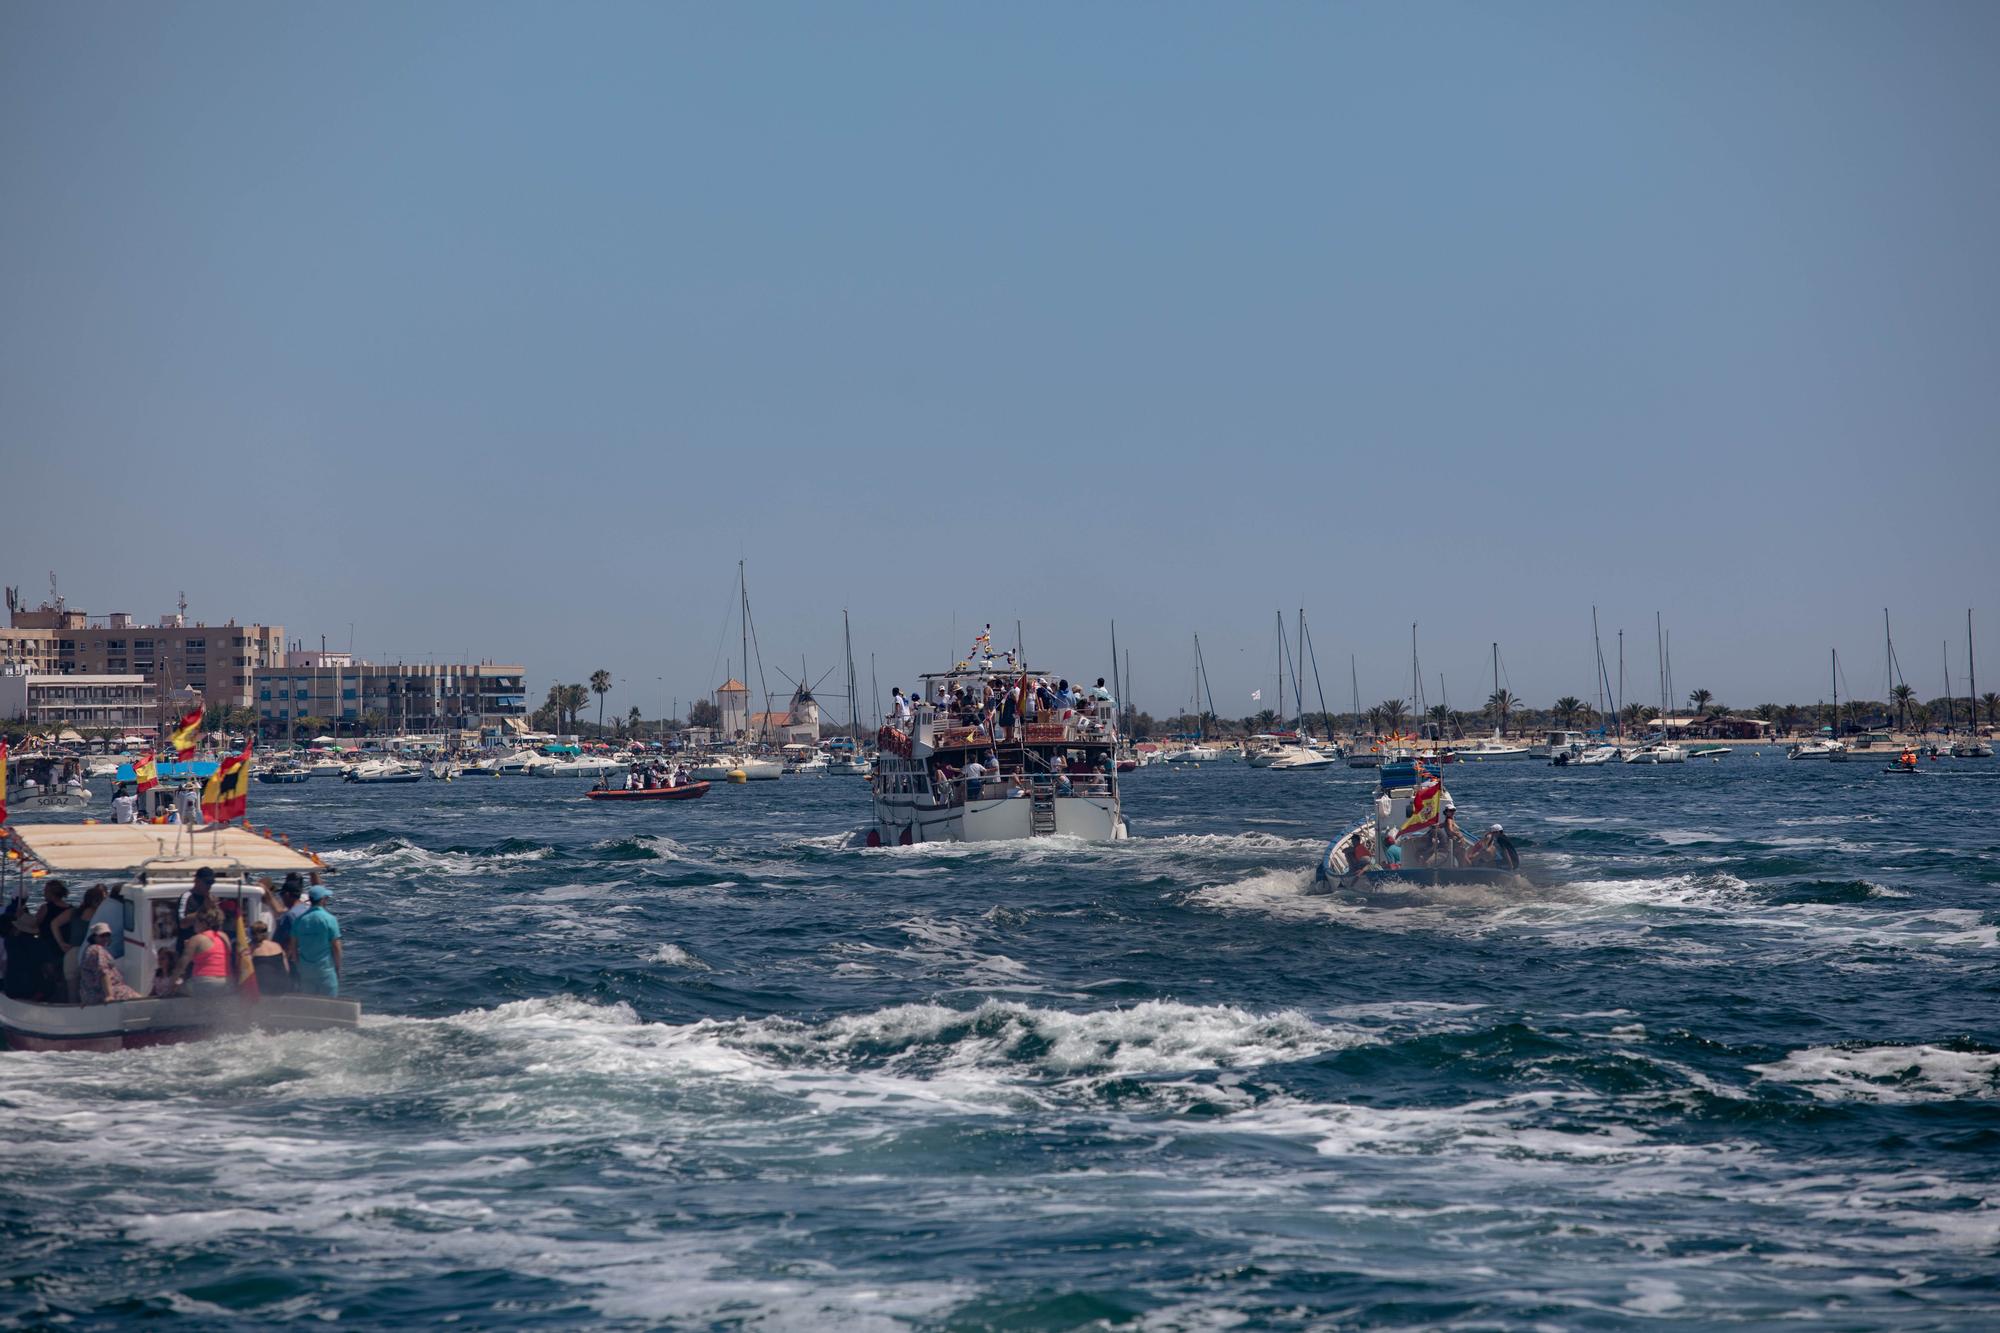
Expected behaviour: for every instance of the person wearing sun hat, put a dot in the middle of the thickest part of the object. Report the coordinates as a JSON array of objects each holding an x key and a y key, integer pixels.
[
  {"x": 316, "y": 937},
  {"x": 98, "y": 978}
]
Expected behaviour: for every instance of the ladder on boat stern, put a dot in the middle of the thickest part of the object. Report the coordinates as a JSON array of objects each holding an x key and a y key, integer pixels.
[{"x": 1045, "y": 810}]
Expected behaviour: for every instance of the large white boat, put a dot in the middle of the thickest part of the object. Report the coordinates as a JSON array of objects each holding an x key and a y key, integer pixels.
[
  {"x": 1301, "y": 758},
  {"x": 1204, "y": 754},
  {"x": 940, "y": 778},
  {"x": 1491, "y": 749},
  {"x": 150, "y": 866},
  {"x": 1571, "y": 743},
  {"x": 582, "y": 766},
  {"x": 1824, "y": 747}
]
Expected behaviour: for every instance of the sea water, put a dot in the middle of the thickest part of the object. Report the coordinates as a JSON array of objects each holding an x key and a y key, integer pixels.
[{"x": 1731, "y": 1059}]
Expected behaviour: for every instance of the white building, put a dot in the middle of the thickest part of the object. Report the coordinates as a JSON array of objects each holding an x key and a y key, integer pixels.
[
  {"x": 39, "y": 700},
  {"x": 732, "y": 701}
]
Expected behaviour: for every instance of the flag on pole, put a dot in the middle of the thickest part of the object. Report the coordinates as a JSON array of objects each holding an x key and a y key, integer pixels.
[
  {"x": 183, "y": 741},
  {"x": 146, "y": 772},
  {"x": 3, "y": 784},
  {"x": 226, "y": 795},
  {"x": 1426, "y": 806},
  {"x": 1256, "y": 696}
]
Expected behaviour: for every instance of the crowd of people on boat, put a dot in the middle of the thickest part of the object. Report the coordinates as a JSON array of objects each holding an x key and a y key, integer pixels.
[
  {"x": 999, "y": 706},
  {"x": 64, "y": 952},
  {"x": 650, "y": 776},
  {"x": 986, "y": 778},
  {"x": 1443, "y": 845}
]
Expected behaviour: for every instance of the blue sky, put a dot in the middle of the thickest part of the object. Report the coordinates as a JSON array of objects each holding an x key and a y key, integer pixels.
[{"x": 507, "y": 329}]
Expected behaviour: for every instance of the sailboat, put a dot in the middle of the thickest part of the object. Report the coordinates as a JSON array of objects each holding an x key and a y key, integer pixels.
[
  {"x": 1662, "y": 750},
  {"x": 722, "y": 767},
  {"x": 843, "y": 758},
  {"x": 1970, "y": 746},
  {"x": 1201, "y": 752},
  {"x": 1281, "y": 752},
  {"x": 1825, "y": 747},
  {"x": 1496, "y": 747}
]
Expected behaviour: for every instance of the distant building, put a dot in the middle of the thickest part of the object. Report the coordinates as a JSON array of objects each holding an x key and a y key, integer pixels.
[
  {"x": 216, "y": 660},
  {"x": 798, "y": 725},
  {"x": 732, "y": 703},
  {"x": 76, "y": 700},
  {"x": 409, "y": 697}
]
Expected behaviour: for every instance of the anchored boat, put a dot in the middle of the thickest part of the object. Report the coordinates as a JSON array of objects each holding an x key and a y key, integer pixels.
[{"x": 150, "y": 866}]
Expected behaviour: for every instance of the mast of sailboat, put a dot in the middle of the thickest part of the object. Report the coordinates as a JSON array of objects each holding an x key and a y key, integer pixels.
[
  {"x": 1660, "y": 652},
  {"x": 1126, "y": 698},
  {"x": 1354, "y": 678},
  {"x": 1836, "y": 694},
  {"x": 1279, "y": 725},
  {"x": 1496, "y": 690},
  {"x": 1971, "y": 677},
  {"x": 853, "y": 704},
  {"x": 1305, "y": 640},
  {"x": 1207, "y": 691},
  {"x": 743, "y": 623},
  {"x": 1950, "y": 713},
  {"x": 1299, "y": 676}
]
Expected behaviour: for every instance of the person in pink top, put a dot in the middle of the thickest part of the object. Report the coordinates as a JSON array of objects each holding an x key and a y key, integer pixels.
[{"x": 205, "y": 959}]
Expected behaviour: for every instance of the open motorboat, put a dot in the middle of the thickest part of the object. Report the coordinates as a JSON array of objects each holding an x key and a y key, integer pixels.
[
  {"x": 385, "y": 770},
  {"x": 1710, "y": 752},
  {"x": 149, "y": 867},
  {"x": 1657, "y": 752},
  {"x": 282, "y": 773},
  {"x": 1591, "y": 756},
  {"x": 1294, "y": 758},
  {"x": 45, "y": 782},
  {"x": 1412, "y": 809},
  {"x": 1202, "y": 754},
  {"x": 1559, "y": 743},
  {"x": 1824, "y": 747},
  {"x": 581, "y": 767},
  {"x": 1491, "y": 749}
]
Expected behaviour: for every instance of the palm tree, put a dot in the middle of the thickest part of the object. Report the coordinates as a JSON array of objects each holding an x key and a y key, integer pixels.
[
  {"x": 1393, "y": 712},
  {"x": 600, "y": 685},
  {"x": 1567, "y": 708},
  {"x": 1902, "y": 695},
  {"x": 1992, "y": 702},
  {"x": 574, "y": 697},
  {"x": 632, "y": 721},
  {"x": 1698, "y": 700},
  {"x": 1499, "y": 704}
]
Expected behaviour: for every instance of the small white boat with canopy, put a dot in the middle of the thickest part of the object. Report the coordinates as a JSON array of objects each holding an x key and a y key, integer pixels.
[{"x": 149, "y": 867}]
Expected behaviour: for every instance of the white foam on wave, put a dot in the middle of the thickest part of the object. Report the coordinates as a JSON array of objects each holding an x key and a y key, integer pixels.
[
  {"x": 672, "y": 955},
  {"x": 1888, "y": 1073}
]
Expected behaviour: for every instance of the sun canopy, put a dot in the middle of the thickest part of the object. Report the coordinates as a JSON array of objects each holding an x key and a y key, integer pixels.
[{"x": 158, "y": 848}]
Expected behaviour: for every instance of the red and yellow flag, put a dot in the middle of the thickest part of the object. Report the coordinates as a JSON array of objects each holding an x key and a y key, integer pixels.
[
  {"x": 184, "y": 737},
  {"x": 1426, "y": 806},
  {"x": 226, "y": 795},
  {"x": 146, "y": 772}
]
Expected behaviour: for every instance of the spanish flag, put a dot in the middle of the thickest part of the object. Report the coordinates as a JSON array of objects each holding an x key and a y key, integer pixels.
[
  {"x": 183, "y": 741},
  {"x": 1426, "y": 806},
  {"x": 226, "y": 796},
  {"x": 146, "y": 772}
]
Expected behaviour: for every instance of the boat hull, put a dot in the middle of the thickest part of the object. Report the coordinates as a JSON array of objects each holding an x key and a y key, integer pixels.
[
  {"x": 685, "y": 792},
  {"x": 908, "y": 821},
  {"x": 159, "y": 1022}
]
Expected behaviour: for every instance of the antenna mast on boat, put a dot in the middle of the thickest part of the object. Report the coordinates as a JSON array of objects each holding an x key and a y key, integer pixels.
[{"x": 1116, "y": 717}]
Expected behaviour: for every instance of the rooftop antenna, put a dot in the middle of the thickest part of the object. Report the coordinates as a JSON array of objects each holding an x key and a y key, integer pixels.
[{"x": 55, "y": 597}]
